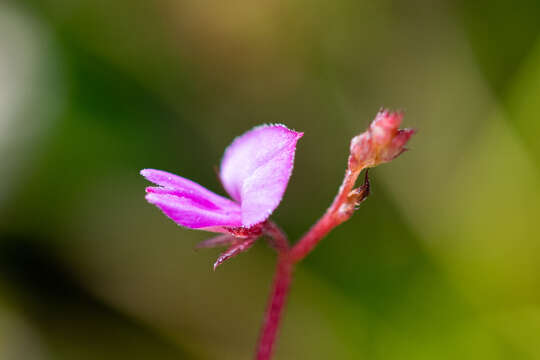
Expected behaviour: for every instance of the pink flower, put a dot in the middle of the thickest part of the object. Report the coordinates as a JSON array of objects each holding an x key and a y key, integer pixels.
[
  {"x": 255, "y": 171},
  {"x": 382, "y": 142}
]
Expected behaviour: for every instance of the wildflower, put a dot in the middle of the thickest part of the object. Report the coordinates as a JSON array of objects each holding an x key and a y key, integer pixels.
[{"x": 255, "y": 171}]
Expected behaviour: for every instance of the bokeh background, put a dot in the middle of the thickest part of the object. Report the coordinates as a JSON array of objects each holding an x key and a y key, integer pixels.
[{"x": 442, "y": 261}]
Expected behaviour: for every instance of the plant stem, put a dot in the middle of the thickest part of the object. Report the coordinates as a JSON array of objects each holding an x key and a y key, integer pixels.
[
  {"x": 382, "y": 142},
  {"x": 340, "y": 210},
  {"x": 274, "y": 311},
  {"x": 278, "y": 296}
]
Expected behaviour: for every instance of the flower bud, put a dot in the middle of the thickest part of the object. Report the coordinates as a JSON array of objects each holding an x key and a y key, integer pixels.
[{"x": 381, "y": 142}]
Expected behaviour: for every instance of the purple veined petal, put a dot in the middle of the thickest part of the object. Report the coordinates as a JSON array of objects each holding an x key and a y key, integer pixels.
[
  {"x": 188, "y": 213},
  {"x": 202, "y": 202},
  {"x": 185, "y": 188},
  {"x": 256, "y": 168}
]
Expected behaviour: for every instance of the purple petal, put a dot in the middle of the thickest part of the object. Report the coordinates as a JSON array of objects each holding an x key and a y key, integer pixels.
[
  {"x": 188, "y": 213},
  {"x": 189, "y": 204},
  {"x": 185, "y": 188},
  {"x": 256, "y": 168}
]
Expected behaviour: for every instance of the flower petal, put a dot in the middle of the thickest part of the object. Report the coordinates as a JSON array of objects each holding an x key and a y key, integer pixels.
[
  {"x": 185, "y": 188},
  {"x": 189, "y": 204},
  {"x": 191, "y": 214},
  {"x": 263, "y": 190},
  {"x": 256, "y": 168}
]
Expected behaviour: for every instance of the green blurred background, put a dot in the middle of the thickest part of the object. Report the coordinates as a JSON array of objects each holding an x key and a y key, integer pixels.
[{"x": 442, "y": 261}]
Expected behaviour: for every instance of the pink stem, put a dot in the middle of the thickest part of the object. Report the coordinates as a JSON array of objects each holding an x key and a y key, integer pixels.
[
  {"x": 382, "y": 142},
  {"x": 340, "y": 210},
  {"x": 280, "y": 289}
]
